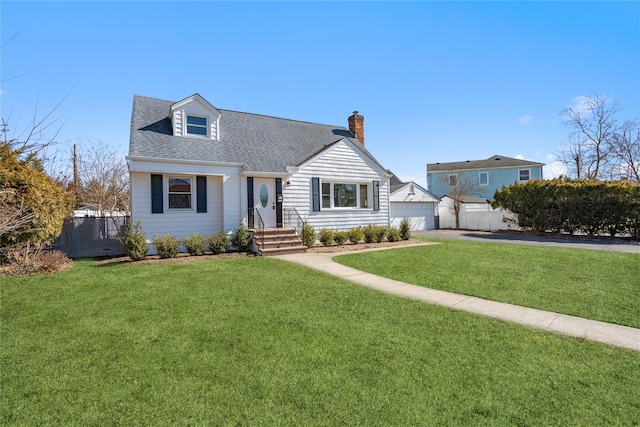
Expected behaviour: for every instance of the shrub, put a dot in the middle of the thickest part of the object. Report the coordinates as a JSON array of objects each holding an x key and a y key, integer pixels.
[
  {"x": 26, "y": 258},
  {"x": 405, "y": 229},
  {"x": 166, "y": 246},
  {"x": 369, "y": 233},
  {"x": 51, "y": 261},
  {"x": 355, "y": 235},
  {"x": 308, "y": 235},
  {"x": 241, "y": 239},
  {"x": 195, "y": 244},
  {"x": 326, "y": 237},
  {"x": 340, "y": 237},
  {"x": 134, "y": 242},
  {"x": 33, "y": 205},
  {"x": 374, "y": 233},
  {"x": 394, "y": 234},
  {"x": 380, "y": 233},
  {"x": 219, "y": 243}
]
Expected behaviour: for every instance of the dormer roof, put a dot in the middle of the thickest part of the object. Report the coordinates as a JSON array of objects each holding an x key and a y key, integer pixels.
[{"x": 196, "y": 97}]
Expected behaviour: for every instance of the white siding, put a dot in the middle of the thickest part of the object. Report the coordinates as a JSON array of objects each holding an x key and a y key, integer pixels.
[
  {"x": 195, "y": 108},
  {"x": 223, "y": 201},
  {"x": 342, "y": 162},
  {"x": 178, "y": 223}
]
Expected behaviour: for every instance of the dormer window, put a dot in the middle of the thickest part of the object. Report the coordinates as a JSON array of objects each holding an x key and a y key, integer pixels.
[
  {"x": 194, "y": 117},
  {"x": 196, "y": 125}
]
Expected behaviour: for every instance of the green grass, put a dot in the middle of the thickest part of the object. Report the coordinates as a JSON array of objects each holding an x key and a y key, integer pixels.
[
  {"x": 256, "y": 341},
  {"x": 595, "y": 285}
]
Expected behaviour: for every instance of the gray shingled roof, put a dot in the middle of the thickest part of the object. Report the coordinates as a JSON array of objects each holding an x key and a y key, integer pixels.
[
  {"x": 261, "y": 143},
  {"x": 495, "y": 161}
]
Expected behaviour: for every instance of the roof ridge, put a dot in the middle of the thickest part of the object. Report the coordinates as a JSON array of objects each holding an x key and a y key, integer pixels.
[{"x": 283, "y": 118}]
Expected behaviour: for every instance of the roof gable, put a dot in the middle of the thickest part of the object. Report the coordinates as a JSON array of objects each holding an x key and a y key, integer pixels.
[
  {"x": 196, "y": 97},
  {"x": 493, "y": 162}
]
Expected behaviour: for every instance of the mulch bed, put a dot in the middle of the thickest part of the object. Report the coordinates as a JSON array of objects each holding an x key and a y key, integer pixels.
[{"x": 184, "y": 257}]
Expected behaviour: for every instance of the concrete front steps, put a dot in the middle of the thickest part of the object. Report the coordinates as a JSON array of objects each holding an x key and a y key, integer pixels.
[{"x": 279, "y": 241}]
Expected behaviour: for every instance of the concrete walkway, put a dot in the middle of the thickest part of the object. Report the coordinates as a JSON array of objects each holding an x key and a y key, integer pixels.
[{"x": 607, "y": 333}]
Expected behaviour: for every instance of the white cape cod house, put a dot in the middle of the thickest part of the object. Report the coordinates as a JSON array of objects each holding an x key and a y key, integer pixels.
[{"x": 195, "y": 168}]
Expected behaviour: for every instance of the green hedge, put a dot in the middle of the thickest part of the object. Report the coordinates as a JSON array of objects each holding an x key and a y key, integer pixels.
[{"x": 568, "y": 205}]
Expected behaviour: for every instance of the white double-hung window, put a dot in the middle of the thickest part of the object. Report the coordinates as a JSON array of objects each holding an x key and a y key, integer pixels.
[
  {"x": 196, "y": 125},
  {"x": 524, "y": 175},
  {"x": 180, "y": 191}
]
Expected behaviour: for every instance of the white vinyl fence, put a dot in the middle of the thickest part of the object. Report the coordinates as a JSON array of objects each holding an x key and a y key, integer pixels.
[{"x": 474, "y": 216}]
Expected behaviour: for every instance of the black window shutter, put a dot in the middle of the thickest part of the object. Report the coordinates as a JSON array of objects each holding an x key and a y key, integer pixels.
[
  {"x": 376, "y": 195},
  {"x": 201, "y": 194},
  {"x": 278, "y": 202},
  {"x": 156, "y": 194},
  {"x": 250, "y": 218},
  {"x": 315, "y": 190}
]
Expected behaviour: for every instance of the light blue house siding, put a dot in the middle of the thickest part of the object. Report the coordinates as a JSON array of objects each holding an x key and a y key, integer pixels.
[{"x": 481, "y": 179}]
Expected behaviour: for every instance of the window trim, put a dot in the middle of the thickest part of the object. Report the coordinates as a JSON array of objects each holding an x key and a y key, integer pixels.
[
  {"x": 528, "y": 173},
  {"x": 190, "y": 193},
  {"x": 206, "y": 125},
  {"x": 358, "y": 189},
  {"x": 480, "y": 178}
]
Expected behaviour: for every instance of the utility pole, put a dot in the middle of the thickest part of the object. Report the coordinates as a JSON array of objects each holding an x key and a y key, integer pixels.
[{"x": 76, "y": 178}]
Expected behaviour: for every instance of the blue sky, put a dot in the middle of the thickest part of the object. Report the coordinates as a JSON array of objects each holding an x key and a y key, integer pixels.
[{"x": 435, "y": 81}]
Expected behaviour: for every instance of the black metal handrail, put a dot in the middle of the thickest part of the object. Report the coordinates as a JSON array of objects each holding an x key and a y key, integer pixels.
[
  {"x": 259, "y": 228},
  {"x": 292, "y": 219}
]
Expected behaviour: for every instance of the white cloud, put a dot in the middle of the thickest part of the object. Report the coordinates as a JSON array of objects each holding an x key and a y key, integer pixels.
[
  {"x": 553, "y": 168},
  {"x": 581, "y": 104},
  {"x": 525, "y": 119},
  {"x": 519, "y": 156}
]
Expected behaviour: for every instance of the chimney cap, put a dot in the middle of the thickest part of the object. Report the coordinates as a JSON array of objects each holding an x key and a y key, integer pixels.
[{"x": 355, "y": 113}]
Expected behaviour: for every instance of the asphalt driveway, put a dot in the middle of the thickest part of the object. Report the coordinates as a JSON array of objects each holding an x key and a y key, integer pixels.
[{"x": 574, "y": 242}]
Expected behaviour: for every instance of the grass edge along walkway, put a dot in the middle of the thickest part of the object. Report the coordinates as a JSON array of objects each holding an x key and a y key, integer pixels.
[{"x": 593, "y": 330}]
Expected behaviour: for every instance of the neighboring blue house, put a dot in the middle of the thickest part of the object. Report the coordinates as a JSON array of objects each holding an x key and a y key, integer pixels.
[{"x": 480, "y": 177}]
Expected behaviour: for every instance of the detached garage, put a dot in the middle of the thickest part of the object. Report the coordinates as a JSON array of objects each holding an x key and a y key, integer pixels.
[{"x": 409, "y": 200}]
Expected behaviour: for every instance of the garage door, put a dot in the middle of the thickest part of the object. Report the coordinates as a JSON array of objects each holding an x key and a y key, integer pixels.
[{"x": 420, "y": 214}]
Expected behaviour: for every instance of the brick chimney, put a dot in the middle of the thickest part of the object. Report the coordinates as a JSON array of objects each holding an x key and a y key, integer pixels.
[{"x": 356, "y": 126}]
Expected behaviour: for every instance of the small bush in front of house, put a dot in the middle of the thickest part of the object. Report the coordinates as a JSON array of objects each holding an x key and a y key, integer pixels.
[
  {"x": 166, "y": 246},
  {"x": 405, "y": 229},
  {"x": 134, "y": 242},
  {"x": 369, "y": 233},
  {"x": 355, "y": 235},
  {"x": 195, "y": 244},
  {"x": 241, "y": 239},
  {"x": 393, "y": 234},
  {"x": 326, "y": 237},
  {"x": 219, "y": 243},
  {"x": 380, "y": 233},
  {"x": 340, "y": 237},
  {"x": 308, "y": 235}
]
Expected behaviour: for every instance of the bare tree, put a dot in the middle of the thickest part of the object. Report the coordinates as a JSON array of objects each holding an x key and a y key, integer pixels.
[
  {"x": 625, "y": 148},
  {"x": 104, "y": 179},
  {"x": 460, "y": 186},
  {"x": 593, "y": 126}
]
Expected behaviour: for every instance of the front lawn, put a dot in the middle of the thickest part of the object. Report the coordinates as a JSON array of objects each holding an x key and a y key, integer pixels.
[
  {"x": 257, "y": 341},
  {"x": 595, "y": 285}
]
